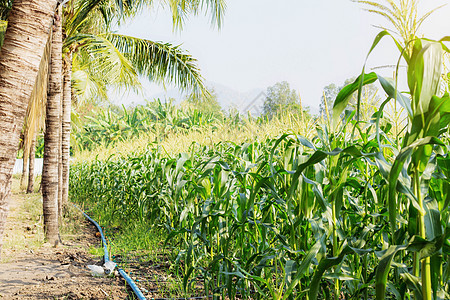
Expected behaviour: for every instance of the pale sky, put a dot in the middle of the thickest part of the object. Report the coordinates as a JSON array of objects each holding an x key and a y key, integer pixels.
[{"x": 310, "y": 44}]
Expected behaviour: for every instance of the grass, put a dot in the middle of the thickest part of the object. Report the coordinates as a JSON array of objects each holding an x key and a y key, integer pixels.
[
  {"x": 96, "y": 251},
  {"x": 72, "y": 223},
  {"x": 24, "y": 229}
]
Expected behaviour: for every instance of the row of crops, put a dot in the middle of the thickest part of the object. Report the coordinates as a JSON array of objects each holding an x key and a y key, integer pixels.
[
  {"x": 108, "y": 127},
  {"x": 354, "y": 213}
]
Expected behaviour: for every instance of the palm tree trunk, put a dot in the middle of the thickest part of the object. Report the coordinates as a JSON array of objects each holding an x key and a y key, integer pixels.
[
  {"x": 60, "y": 166},
  {"x": 25, "y": 38},
  {"x": 30, "y": 187},
  {"x": 26, "y": 155},
  {"x": 51, "y": 137},
  {"x": 67, "y": 110}
]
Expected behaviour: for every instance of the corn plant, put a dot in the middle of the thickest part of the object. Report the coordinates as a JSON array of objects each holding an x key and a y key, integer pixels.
[{"x": 357, "y": 212}]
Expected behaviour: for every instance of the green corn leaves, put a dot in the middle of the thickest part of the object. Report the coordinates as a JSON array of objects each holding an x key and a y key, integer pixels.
[
  {"x": 345, "y": 94},
  {"x": 354, "y": 213}
]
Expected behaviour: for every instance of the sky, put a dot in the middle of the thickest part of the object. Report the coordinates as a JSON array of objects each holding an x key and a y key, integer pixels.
[{"x": 309, "y": 44}]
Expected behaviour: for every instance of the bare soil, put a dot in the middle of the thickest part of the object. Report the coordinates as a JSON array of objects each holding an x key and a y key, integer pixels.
[{"x": 32, "y": 269}]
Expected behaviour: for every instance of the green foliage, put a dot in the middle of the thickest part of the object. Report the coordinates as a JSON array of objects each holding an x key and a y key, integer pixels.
[
  {"x": 281, "y": 99},
  {"x": 353, "y": 213},
  {"x": 109, "y": 126},
  {"x": 207, "y": 104},
  {"x": 103, "y": 59},
  {"x": 402, "y": 15},
  {"x": 5, "y": 7},
  {"x": 369, "y": 93},
  {"x": 259, "y": 215},
  {"x": 356, "y": 212}
]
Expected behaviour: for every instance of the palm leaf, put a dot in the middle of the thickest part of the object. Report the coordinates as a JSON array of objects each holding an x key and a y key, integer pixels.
[
  {"x": 5, "y": 7},
  {"x": 3, "y": 25},
  {"x": 182, "y": 8},
  {"x": 80, "y": 15},
  {"x": 106, "y": 60},
  {"x": 34, "y": 120},
  {"x": 161, "y": 62},
  {"x": 87, "y": 87}
]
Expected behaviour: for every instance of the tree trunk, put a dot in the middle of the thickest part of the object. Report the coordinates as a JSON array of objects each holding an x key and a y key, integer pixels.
[
  {"x": 67, "y": 111},
  {"x": 60, "y": 166},
  {"x": 26, "y": 155},
  {"x": 51, "y": 138},
  {"x": 26, "y": 35},
  {"x": 30, "y": 187}
]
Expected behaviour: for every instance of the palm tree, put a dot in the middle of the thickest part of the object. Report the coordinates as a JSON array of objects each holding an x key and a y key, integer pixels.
[
  {"x": 101, "y": 58},
  {"x": 50, "y": 179},
  {"x": 36, "y": 102},
  {"x": 173, "y": 66},
  {"x": 66, "y": 126},
  {"x": 25, "y": 39}
]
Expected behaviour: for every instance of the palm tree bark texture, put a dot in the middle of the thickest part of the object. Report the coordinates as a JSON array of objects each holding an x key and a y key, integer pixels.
[
  {"x": 67, "y": 109},
  {"x": 25, "y": 39},
  {"x": 30, "y": 186},
  {"x": 50, "y": 172},
  {"x": 26, "y": 156}
]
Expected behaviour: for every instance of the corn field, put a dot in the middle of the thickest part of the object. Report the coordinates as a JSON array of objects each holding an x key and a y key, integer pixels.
[
  {"x": 156, "y": 118},
  {"x": 356, "y": 212}
]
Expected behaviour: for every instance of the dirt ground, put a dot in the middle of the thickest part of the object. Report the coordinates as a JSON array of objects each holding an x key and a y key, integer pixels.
[{"x": 32, "y": 269}]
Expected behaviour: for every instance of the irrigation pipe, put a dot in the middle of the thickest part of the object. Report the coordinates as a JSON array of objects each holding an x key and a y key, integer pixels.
[
  {"x": 105, "y": 245},
  {"x": 125, "y": 276}
]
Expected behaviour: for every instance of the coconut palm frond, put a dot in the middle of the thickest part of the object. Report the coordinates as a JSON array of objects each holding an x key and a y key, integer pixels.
[
  {"x": 161, "y": 62},
  {"x": 217, "y": 10},
  {"x": 128, "y": 8},
  {"x": 86, "y": 86},
  {"x": 106, "y": 12},
  {"x": 3, "y": 25},
  {"x": 35, "y": 114},
  {"x": 182, "y": 8},
  {"x": 107, "y": 60},
  {"x": 5, "y": 8},
  {"x": 80, "y": 15}
]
